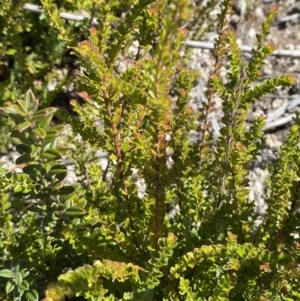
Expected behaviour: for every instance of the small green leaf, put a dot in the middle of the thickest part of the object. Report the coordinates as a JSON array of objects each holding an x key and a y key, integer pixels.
[
  {"x": 51, "y": 154},
  {"x": 33, "y": 169},
  {"x": 35, "y": 209},
  {"x": 43, "y": 117},
  {"x": 32, "y": 295},
  {"x": 22, "y": 106},
  {"x": 81, "y": 204},
  {"x": 59, "y": 171},
  {"x": 47, "y": 167},
  {"x": 24, "y": 286},
  {"x": 93, "y": 221},
  {"x": 125, "y": 146},
  {"x": 75, "y": 211},
  {"x": 18, "y": 277},
  {"x": 66, "y": 192},
  {"x": 24, "y": 159},
  {"x": 6, "y": 273},
  {"x": 16, "y": 118},
  {"x": 54, "y": 132},
  {"x": 31, "y": 102},
  {"x": 69, "y": 203},
  {"x": 9, "y": 287},
  {"x": 23, "y": 148},
  {"x": 60, "y": 128},
  {"x": 13, "y": 110},
  {"x": 151, "y": 94},
  {"x": 11, "y": 52},
  {"x": 113, "y": 157},
  {"x": 39, "y": 133},
  {"x": 42, "y": 114},
  {"x": 23, "y": 126},
  {"x": 82, "y": 226},
  {"x": 35, "y": 150},
  {"x": 22, "y": 137},
  {"x": 116, "y": 119}
]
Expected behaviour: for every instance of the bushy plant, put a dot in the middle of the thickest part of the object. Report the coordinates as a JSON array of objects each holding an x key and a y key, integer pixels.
[
  {"x": 110, "y": 235},
  {"x": 32, "y": 57}
]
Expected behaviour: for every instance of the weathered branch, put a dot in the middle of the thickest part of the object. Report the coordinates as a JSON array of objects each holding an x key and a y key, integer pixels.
[
  {"x": 246, "y": 49},
  {"x": 64, "y": 15},
  {"x": 196, "y": 44}
]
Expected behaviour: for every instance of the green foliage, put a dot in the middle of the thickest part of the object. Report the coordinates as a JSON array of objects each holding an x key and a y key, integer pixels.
[
  {"x": 29, "y": 57},
  {"x": 110, "y": 235},
  {"x": 17, "y": 284}
]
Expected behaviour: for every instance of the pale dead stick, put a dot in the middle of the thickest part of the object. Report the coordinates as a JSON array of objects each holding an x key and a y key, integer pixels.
[
  {"x": 195, "y": 44},
  {"x": 247, "y": 49}
]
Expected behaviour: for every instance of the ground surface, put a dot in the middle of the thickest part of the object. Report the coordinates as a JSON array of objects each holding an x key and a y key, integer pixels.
[{"x": 285, "y": 35}]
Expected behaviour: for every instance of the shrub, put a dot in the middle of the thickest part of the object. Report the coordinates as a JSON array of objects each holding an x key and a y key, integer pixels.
[{"x": 110, "y": 235}]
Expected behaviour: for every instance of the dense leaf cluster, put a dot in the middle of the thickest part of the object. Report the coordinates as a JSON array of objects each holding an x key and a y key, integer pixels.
[{"x": 110, "y": 235}]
